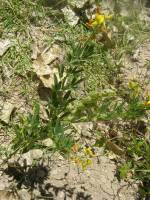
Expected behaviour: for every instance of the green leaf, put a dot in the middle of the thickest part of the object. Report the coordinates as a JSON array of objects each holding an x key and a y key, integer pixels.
[
  {"x": 67, "y": 95},
  {"x": 124, "y": 169},
  {"x": 61, "y": 69}
]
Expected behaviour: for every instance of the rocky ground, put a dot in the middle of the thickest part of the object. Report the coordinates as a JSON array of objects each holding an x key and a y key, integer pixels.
[{"x": 61, "y": 179}]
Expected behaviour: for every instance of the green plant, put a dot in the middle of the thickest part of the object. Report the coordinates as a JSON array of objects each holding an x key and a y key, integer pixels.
[
  {"x": 28, "y": 132},
  {"x": 138, "y": 160},
  {"x": 124, "y": 170},
  {"x": 18, "y": 14},
  {"x": 62, "y": 92},
  {"x": 108, "y": 107},
  {"x": 31, "y": 130},
  {"x": 63, "y": 140}
]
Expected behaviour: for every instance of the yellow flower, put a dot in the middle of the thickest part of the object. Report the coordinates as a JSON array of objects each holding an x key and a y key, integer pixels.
[
  {"x": 89, "y": 152},
  {"x": 85, "y": 164},
  {"x": 82, "y": 162},
  {"x": 99, "y": 20},
  {"x": 147, "y": 103}
]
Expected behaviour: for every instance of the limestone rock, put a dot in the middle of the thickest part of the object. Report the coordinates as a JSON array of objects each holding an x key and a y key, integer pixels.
[
  {"x": 6, "y": 112},
  {"x": 70, "y": 16},
  {"x": 48, "y": 142},
  {"x": 28, "y": 158},
  {"x": 4, "y": 46}
]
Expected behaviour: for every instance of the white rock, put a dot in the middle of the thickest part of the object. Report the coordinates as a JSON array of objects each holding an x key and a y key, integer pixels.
[
  {"x": 45, "y": 64},
  {"x": 36, "y": 154},
  {"x": 27, "y": 158},
  {"x": 60, "y": 196},
  {"x": 36, "y": 193},
  {"x": 6, "y": 112},
  {"x": 4, "y": 183},
  {"x": 48, "y": 142},
  {"x": 24, "y": 195},
  {"x": 83, "y": 128},
  {"x": 70, "y": 16},
  {"x": 4, "y": 45},
  {"x": 79, "y": 4}
]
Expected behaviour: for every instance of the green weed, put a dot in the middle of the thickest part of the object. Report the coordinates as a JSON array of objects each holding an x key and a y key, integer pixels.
[
  {"x": 138, "y": 160},
  {"x": 28, "y": 132},
  {"x": 17, "y": 15}
]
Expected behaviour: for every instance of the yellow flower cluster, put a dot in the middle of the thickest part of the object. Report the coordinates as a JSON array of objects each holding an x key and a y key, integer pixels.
[
  {"x": 85, "y": 160},
  {"x": 98, "y": 25},
  {"x": 84, "y": 163},
  {"x": 99, "y": 20},
  {"x": 88, "y": 151}
]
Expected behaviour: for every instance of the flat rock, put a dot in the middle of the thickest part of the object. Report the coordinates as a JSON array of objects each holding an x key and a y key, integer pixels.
[
  {"x": 6, "y": 112},
  {"x": 4, "y": 46},
  {"x": 48, "y": 142},
  {"x": 28, "y": 157},
  {"x": 70, "y": 16}
]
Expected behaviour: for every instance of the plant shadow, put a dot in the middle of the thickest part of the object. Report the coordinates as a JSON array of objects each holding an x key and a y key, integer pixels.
[
  {"x": 27, "y": 176},
  {"x": 33, "y": 177},
  {"x": 66, "y": 191},
  {"x": 44, "y": 93}
]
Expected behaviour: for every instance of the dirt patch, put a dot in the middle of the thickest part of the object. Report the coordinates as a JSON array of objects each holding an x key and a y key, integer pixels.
[
  {"x": 137, "y": 67},
  {"x": 59, "y": 179}
]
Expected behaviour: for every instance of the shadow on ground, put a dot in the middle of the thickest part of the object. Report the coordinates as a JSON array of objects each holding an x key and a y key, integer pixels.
[
  {"x": 27, "y": 176},
  {"x": 33, "y": 177}
]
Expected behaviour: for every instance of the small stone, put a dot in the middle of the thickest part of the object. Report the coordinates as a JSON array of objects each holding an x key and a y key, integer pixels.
[
  {"x": 6, "y": 112},
  {"x": 36, "y": 154},
  {"x": 36, "y": 193},
  {"x": 60, "y": 196},
  {"x": 27, "y": 158},
  {"x": 79, "y": 4},
  {"x": 4, "y": 46},
  {"x": 58, "y": 156},
  {"x": 84, "y": 128},
  {"x": 24, "y": 195},
  {"x": 4, "y": 183},
  {"x": 13, "y": 160},
  {"x": 135, "y": 56},
  {"x": 54, "y": 172},
  {"x": 45, "y": 64},
  {"x": 70, "y": 16},
  {"x": 60, "y": 39},
  {"x": 48, "y": 142}
]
